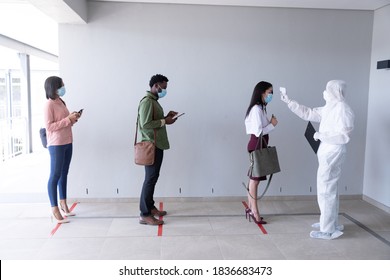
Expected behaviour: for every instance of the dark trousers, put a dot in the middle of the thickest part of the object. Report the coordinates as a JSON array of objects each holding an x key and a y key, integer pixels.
[{"x": 152, "y": 172}]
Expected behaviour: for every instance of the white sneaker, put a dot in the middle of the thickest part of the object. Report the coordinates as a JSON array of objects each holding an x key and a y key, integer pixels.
[{"x": 317, "y": 225}]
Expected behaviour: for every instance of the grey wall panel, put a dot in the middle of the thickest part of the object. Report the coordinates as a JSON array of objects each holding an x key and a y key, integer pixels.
[{"x": 213, "y": 56}]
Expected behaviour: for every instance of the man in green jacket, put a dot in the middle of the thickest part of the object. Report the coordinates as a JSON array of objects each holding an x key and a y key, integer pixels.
[{"x": 152, "y": 123}]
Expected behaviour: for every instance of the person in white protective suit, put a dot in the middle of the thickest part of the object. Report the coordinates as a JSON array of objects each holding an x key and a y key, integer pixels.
[{"x": 336, "y": 120}]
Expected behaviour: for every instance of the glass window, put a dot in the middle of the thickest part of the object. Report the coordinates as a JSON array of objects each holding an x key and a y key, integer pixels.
[{"x": 14, "y": 113}]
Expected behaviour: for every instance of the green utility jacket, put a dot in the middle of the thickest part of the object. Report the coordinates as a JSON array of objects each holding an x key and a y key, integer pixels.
[{"x": 150, "y": 114}]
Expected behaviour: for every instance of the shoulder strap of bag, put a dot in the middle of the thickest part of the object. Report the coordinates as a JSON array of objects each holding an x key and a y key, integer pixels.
[
  {"x": 136, "y": 125},
  {"x": 265, "y": 190},
  {"x": 261, "y": 142},
  {"x": 62, "y": 101}
]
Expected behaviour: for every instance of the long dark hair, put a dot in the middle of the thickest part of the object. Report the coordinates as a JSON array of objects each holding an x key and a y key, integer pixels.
[
  {"x": 256, "y": 99},
  {"x": 52, "y": 84}
]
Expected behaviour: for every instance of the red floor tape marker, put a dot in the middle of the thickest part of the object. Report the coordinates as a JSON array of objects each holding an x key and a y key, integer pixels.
[
  {"x": 259, "y": 225},
  {"x": 54, "y": 230},
  {"x": 160, "y": 227},
  {"x": 73, "y": 206}
]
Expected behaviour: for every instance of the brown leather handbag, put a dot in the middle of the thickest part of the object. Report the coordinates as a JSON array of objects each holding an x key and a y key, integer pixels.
[{"x": 144, "y": 151}]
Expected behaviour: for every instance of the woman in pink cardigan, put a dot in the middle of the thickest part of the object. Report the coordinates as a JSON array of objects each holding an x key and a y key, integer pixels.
[{"x": 58, "y": 122}]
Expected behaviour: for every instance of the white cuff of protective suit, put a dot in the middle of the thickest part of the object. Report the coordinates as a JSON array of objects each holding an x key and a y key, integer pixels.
[
  {"x": 293, "y": 105},
  {"x": 285, "y": 98},
  {"x": 162, "y": 122}
]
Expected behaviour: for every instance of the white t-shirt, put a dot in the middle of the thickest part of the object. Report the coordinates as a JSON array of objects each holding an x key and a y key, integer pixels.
[{"x": 257, "y": 122}]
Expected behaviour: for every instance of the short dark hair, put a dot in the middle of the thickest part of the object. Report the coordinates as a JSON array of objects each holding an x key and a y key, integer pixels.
[
  {"x": 259, "y": 89},
  {"x": 158, "y": 78},
  {"x": 52, "y": 84}
]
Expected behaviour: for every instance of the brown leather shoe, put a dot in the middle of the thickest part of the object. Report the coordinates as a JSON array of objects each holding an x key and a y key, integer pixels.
[
  {"x": 150, "y": 220},
  {"x": 156, "y": 212}
]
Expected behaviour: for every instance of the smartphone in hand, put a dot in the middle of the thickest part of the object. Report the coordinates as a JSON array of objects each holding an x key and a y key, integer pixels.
[
  {"x": 80, "y": 112},
  {"x": 178, "y": 115}
]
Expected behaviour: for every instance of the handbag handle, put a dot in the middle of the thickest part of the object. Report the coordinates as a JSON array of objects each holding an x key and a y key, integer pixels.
[
  {"x": 136, "y": 125},
  {"x": 258, "y": 140},
  {"x": 265, "y": 190}
]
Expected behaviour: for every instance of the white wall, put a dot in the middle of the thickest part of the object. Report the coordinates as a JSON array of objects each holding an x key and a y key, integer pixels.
[
  {"x": 377, "y": 161},
  {"x": 213, "y": 56}
]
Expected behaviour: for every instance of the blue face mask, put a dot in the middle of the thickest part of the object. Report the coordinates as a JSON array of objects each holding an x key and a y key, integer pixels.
[
  {"x": 162, "y": 93},
  {"x": 268, "y": 98},
  {"x": 61, "y": 91}
]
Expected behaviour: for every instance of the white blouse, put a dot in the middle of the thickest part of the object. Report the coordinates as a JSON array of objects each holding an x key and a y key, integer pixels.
[{"x": 257, "y": 122}]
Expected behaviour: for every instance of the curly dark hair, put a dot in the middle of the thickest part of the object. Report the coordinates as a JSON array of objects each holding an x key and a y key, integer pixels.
[{"x": 158, "y": 78}]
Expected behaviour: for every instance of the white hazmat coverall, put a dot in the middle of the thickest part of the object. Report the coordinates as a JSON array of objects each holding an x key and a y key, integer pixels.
[{"x": 336, "y": 120}]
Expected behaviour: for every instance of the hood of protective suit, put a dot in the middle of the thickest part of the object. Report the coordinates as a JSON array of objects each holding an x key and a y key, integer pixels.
[{"x": 335, "y": 91}]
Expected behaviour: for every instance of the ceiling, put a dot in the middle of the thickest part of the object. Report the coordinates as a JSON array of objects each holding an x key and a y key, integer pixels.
[
  {"x": 316, "y": 4},
  {"x": 18, "y": 17},
  {"x": 75, "y": 11}
]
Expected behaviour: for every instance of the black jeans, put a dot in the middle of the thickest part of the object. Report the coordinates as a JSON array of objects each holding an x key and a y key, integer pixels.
[{"x": 152, "y": 172}]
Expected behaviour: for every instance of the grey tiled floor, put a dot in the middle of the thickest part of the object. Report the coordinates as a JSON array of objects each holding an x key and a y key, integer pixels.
[{"x": 192, "y": 230}]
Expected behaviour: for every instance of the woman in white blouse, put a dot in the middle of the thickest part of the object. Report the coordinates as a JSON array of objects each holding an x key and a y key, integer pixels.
[{"x": 256, "y": 123}]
